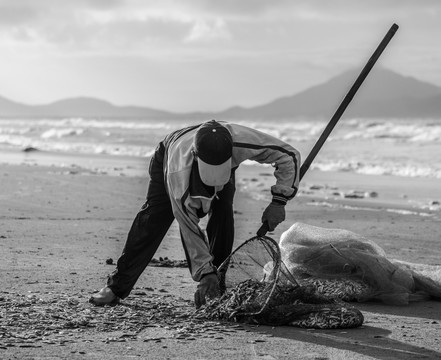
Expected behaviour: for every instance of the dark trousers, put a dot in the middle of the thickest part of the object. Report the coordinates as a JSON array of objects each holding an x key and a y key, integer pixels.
[{"x": 153, "y": 221}]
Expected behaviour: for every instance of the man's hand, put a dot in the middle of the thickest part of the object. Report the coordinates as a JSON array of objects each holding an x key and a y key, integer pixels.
[
  {"x": 274, "y": 214},
  {"x": 208, "y": 287}
]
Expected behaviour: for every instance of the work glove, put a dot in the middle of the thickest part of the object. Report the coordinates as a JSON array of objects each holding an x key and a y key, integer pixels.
[
  {"x": 208, "y": 287},
  {"x": 273, "y": 215}
]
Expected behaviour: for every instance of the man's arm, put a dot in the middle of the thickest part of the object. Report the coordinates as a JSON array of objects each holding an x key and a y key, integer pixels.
[
  {"x": 194, "y": 239},
  {"x": 251, "y": 144},
  {"x": 286, "y": 161}
]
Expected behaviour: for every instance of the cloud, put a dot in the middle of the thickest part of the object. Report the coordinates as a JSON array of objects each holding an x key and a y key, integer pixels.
[
  {"x": 190, "y": 28},
  {"x": 17, "y": 13},
  {"x": 208, "y": 31}
]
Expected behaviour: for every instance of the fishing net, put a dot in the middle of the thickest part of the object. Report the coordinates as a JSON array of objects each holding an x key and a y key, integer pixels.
[
  {"x": 351, "y": 267},
  {"x": 260, "y": 289},
  {"x": 308, "y": 277},
  {"x": 252, "y": 272}
]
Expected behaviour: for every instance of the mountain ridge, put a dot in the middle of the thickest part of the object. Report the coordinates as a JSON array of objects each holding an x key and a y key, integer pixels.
[{"x": 383, "y": 94}]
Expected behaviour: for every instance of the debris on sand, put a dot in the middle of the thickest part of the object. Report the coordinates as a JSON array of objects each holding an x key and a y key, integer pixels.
[
  {"x": 297, "y": 306},
  {"x": 359, "y": 194},
  {"x": 35, "y": 319},
  {"x": 166, "y": 262}
]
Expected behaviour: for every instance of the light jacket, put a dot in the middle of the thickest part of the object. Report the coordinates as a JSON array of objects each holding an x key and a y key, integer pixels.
[{"x": 248, "y": 144}]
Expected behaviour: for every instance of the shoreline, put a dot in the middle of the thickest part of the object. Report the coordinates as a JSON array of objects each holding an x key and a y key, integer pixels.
[{"x": 327, "y": 184}]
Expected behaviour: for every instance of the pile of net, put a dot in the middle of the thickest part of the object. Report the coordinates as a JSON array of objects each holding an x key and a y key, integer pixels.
[
  {"x": 311, "y": 275},
  {"x": 261, "y": 290},
  {"x": 353, "y": 268}
]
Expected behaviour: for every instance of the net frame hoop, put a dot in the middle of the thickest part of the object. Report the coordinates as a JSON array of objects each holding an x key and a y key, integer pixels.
[{"x": 273, "y": 248}]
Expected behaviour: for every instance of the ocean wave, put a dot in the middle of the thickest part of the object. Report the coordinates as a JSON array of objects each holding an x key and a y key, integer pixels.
[
  {"x": 416, "y": 131},
  {"x": 291, "y": 132},
  {"x": 91, "y": 123},
  {"x": 14, "y": 131},
  {"x": 60, "y": 133},
  {"x": 388, "y": 168},
  {"x": 366, "y": 146},
  {"x": 359, "y": 167},
  {"x": 77, "y": 147}
]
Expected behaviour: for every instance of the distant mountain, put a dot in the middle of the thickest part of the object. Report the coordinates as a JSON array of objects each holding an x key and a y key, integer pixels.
[
  {"x": 78, "y": 107},
  {"x": 384, "y": 93}
]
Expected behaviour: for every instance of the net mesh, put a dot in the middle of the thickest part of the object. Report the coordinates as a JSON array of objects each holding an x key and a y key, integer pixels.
[
  {"x": 306, "y": 279},
  {"x": 251, "y": 273},
  {"x": 260, "y": 289},
  {"x": 343, "y": 259}
]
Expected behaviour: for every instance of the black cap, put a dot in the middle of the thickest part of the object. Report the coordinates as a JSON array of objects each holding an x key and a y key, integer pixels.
[{"x": 213, "y": 146}]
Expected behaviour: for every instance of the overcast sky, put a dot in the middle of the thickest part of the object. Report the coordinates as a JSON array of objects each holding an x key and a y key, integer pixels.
[{"x": 185, "y": 55}]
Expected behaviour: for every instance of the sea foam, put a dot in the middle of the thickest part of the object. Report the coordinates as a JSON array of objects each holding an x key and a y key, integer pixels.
[{"x": 410, "y": 148}]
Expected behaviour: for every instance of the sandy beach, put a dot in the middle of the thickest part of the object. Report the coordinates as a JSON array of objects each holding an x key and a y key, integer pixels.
[{"x": 63, "y": 219}]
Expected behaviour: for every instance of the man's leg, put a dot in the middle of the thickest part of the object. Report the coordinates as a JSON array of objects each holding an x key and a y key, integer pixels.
[
  {"x": 220, "y": 226},
  {"x": 146, "y": 234},
  {"x": 148, "y": 229}
]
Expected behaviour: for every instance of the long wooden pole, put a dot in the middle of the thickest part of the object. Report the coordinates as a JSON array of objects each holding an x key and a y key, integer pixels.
[
  {"x": 341, "y": 109},
  {"x": 347, "y": 99}
]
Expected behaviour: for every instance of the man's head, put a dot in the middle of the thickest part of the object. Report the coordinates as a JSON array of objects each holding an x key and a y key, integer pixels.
[{"x": 213, "y": 147}]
